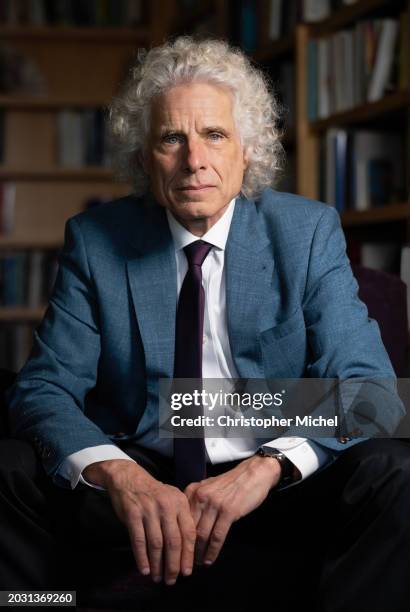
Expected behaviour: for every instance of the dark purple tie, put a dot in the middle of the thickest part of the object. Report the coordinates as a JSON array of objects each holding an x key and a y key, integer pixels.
[{"x": 189, "y": 453}]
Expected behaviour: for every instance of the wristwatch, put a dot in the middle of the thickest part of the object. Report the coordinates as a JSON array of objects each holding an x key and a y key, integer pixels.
[{"x": 287, "y": 467}]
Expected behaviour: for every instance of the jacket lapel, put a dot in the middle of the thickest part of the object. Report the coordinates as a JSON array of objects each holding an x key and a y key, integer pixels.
[
  {"x": 249, "y": 273},
  {"x": 151, "y": 272}
]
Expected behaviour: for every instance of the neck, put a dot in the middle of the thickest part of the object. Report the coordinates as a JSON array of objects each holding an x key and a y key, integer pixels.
[{"x": 198, "y": 227}]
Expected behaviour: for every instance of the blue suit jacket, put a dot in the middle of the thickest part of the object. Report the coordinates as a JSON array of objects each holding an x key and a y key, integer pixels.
[{"x": 108, "y": 333}]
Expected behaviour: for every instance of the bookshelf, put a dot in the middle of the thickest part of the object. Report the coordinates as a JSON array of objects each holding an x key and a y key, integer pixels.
[
  {"x": 391, "y": 108},
  {"x": 391, "y": 112},
  {"x": 21, "y": 314},
  {"x": 77, "y": 68},
  {"x": 303, "y": 138},
  {"x": 379, "y": 235}
]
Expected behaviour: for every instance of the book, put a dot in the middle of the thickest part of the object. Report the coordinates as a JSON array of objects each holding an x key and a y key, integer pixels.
[
  {"x": 20, "y": 74},
  {"x": 134, "y": 13},
  {"x": 315, "y": 10},
  {"x": 37, "y": 13},
  {"x": 71, "y": 151},
  {"x": 312, "y": 65},
  {"x": 334, "y": 167},
  {"x": 248, "y": 25},
  {"x": 275, "y": 20},
  {"x": 404, "y": 51},
  {"x": 8, "y": 263},
  {"x": 329, "y": 168},
  {"x": 384, "y": 256},
  {"x": 340, "y": 144},
  {"x": 324, "y": 77},
  {"x": 383, "y": 60},
  {"x": 7, "y": 207},
  {"x": 356, "y": 65},
  {"x": 72, "y": 12},
  {"x": 369, "y": 150},
  {"x": 35, "y": 297}
]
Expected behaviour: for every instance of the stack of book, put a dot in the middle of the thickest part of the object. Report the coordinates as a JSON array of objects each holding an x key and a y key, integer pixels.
[
  {"x": 362, "y": 169},
  {"x": 99, "y": 13},
  {"x": 27, "y": 277},
  {"x": 257, "y": 23},
  {"x": 20, "y": 74},
  {"x": 357, "y": 65},
  {"x": 83, "y": 138}
]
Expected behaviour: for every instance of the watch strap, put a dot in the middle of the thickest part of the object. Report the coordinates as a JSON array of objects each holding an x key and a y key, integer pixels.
[{"x": 287, "y": 467}]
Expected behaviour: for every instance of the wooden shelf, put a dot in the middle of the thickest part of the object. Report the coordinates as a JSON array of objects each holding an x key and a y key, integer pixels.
[
  {"x": 365, "y": 112},
  {"x": 278, "y": 48},
  {"x": 21, "y": 313},
  {"x": 19, "y": 243},
  {"x": 347, "y": 15},
  {"x": 384, "y": 214},
  {"x": 31, "y": 102},
  {"x": 91, "y": 173},
  {"x": 72, "y": 34}
]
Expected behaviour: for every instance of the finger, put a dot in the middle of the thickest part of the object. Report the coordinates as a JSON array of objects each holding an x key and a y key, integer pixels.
[
  {"x": 196, "y": 507},
  {"x": 188, "y": 534},
  {"x": 217, "y": 538},
  {"x": 154, "y": 539},
  {"x": 139, "y": 547},
  {"x": 171, "y": 549},
  {"x": 204, "y": 530}
]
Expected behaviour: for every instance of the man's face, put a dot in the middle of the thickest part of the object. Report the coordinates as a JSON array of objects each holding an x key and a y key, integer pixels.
[{"x": 193, "y": 156}]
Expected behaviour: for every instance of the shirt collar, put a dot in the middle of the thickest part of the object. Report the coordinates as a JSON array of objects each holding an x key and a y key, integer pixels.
[{"x": 217, "y": 235}]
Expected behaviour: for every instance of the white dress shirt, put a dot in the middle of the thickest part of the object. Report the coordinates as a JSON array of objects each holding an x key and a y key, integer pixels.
[{"x": 217, "y": 362}]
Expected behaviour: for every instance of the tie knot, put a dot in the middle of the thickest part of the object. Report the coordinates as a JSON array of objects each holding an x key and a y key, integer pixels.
[{"x": 196, "y": 252}]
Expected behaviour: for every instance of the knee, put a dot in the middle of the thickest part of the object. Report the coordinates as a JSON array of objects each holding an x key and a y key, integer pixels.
[{"x": 378, "y": 466}]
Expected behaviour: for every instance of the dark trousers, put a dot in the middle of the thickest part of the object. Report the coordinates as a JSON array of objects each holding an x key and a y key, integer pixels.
[{"x": 338, "y": 541}]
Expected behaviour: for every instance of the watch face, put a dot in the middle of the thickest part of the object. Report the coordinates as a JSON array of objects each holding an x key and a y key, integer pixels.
[
  {"x": 271, "y": 452},
  {"x": 286, "y": 465}
]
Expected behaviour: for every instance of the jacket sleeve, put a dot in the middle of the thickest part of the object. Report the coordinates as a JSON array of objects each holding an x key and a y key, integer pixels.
[
  {"x": 46, "y": 403},
  {"x": 345, "y": 343}
]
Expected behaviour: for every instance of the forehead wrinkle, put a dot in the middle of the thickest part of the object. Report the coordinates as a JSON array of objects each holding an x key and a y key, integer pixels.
[
  {"x": 171, "y": 114},
  {"x": 200, "y": 125}
]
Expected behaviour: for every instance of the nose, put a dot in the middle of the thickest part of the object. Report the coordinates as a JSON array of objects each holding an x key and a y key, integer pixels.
[{"x": 194, "y": 156}]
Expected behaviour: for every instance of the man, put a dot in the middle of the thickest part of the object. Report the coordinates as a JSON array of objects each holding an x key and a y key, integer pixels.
[{"x": 273, "y": 296}]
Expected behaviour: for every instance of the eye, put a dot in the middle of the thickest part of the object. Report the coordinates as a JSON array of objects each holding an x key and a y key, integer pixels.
[
  {"x": 172, "y": 139},
  {"x": 215, "y": 136}
]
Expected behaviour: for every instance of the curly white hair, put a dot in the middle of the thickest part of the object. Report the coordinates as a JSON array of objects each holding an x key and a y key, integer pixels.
[{"x": 184, "y": 60}]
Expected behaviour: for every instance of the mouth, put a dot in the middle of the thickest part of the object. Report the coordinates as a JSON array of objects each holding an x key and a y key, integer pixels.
[{"x": 196, "y": 188}]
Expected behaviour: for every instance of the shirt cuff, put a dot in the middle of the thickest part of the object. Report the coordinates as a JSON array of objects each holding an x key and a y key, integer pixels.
[
  {"x": 306, "y": 455},
  {"x": 72, "y": 467}
]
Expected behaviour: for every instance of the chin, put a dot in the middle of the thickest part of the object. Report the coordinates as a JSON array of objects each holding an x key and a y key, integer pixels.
[
  {"x": 193, "y": 207},
  {"x": 193, "y": 214}
]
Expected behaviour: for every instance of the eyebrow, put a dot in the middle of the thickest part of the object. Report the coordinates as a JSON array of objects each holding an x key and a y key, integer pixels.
[{"x": 165, "y": 131}]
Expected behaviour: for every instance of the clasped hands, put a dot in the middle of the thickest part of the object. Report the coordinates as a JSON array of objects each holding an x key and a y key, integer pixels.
[{"x": 170, "y": 530}]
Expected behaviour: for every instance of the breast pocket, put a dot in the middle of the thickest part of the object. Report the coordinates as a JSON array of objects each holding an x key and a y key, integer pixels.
[{"x": 284, "y": 348}]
